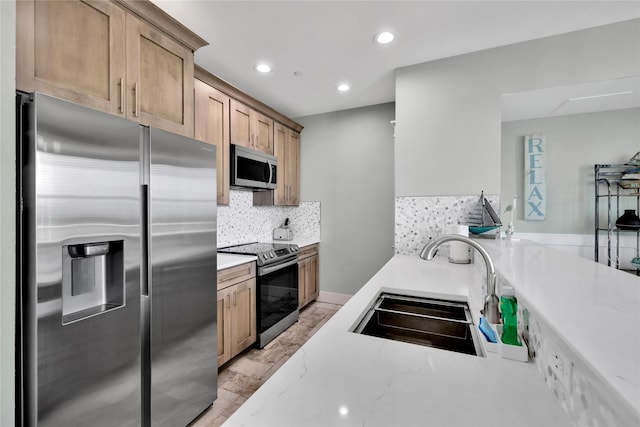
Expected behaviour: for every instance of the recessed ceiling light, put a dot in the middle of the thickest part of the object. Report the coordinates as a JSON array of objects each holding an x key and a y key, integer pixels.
[
  {"x": 384, "y": 37},
  {"x": 263, "y": 68},
  {"x": 343, "y": 87}
]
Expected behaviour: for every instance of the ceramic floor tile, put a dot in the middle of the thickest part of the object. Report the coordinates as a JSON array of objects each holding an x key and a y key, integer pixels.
[
  {"x": 241, "y": 384},
  {"x": 250, "y": 368}
]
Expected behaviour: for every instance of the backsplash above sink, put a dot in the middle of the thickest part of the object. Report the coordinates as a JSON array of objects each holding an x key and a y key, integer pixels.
[
  {"x": 419, "y": 218},
  {"x": 241, "y": 222}
]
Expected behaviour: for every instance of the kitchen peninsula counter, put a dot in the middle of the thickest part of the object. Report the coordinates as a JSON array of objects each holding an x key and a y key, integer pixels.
[{"x": 342, "y": 378}]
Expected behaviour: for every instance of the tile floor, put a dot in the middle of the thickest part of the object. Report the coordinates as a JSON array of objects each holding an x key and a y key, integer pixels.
[{"x": 242, "y": 376}]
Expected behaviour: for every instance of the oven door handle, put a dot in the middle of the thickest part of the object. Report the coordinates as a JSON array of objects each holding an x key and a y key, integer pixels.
[{"x": 270, "y": 269}]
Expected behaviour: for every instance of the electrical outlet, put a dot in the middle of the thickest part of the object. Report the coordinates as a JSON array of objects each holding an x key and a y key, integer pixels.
[
  {"x": 561, "y": 367},
  {"x": 557, "y": 364}
]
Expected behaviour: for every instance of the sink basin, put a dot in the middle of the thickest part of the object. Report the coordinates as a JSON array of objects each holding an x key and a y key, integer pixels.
[{"x": 446, "y": 325}]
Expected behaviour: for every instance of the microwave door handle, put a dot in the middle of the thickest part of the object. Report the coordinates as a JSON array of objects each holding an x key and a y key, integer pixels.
[{"x": 270, "y": 171}]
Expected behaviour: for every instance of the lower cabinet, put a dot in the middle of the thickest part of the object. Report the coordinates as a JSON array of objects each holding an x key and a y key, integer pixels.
[
  {"x": 308, "y": 275},
  {"x": 236, "y": 310}
]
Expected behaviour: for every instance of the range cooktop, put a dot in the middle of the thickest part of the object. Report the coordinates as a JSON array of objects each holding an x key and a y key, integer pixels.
[{"x": 267, "y": 253}]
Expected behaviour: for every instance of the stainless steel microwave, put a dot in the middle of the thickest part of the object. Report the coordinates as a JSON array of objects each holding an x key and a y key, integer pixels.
[{"x": 252, "y": 170}]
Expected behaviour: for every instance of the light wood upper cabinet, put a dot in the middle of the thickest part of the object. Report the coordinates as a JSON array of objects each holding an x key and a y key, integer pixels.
[
  {"x": 287, "y": 150},
  {"x": 212, "y": 126},
  {"x": 293, "y": 168},
  {"x": 123, "y": 57},
  {"x": 250, "y": 128},
  {"x": 159, "y": 79},
  {"x": 73, "y": 50},
  {"x": 241, "y": 124},
  {"x": 280, "y": 135},
  {"x": 262, "y": 128}
]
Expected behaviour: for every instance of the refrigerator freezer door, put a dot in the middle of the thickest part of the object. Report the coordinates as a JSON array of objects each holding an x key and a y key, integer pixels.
[
  {"x": 182, "y": 284},
  {"x": 81, "y": 271}
]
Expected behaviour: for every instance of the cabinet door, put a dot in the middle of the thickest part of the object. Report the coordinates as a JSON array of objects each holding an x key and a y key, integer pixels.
[
  {"x": 293, "y": 168},
  {"x": 224, "y": 326},
  {"x": 262, "y": 131},
  {"x": 159, "y": 79},
  {"x": 243, "y": 316},
  {"x": 302, "y": 287},
  {"x": 311, "y": 278},
  {"x": 212, "y": 126},
  {"x": 280, "y": 134},
  {"x": 240, "y": 124},
  {"x": 286, "y": 147},
  {"x": 73, "y": 50}
]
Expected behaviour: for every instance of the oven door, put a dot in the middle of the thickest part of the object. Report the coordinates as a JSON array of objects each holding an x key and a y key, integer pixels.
[{"x": 277, "y": 294}]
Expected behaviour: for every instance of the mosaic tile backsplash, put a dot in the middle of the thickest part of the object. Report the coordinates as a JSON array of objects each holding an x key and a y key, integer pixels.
[
  {"x": 583, "y": 395},
  {"x": 241, "y": 222},
  {"x": 419, "y": 218}
]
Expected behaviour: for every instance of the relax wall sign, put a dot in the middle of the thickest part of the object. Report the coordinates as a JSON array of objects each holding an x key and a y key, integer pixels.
[{"x": 535, "y": 191}]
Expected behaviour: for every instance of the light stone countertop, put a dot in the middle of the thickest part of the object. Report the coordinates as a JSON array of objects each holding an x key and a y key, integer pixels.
[
  {"x": 593, "y": 308},
  {"x": 341, "y": 378},
  {"x": 231, "y": 260},
  {"x": 300, "y": 242}
]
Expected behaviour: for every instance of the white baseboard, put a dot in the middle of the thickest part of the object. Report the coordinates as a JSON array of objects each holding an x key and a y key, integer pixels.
[{"x": 333, "y": 298}]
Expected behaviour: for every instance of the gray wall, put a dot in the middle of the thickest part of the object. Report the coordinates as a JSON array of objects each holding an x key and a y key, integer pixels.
[
  {"x": 7, "y": 210},
  {"x": 347, "y": 165},
  {"x": 448, "y": 111},
  {"x": 574, "y": 144}
]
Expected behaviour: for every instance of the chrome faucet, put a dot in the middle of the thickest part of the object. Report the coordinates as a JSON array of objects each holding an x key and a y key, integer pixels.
[{"x": 491, "y": 301}]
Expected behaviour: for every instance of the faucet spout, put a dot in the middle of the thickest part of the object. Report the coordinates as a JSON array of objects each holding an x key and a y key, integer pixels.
[{"x": 491, "y": 302}]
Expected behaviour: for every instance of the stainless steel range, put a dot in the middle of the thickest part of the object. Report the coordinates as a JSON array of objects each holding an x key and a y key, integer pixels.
[{"x": 277, "y": 286}]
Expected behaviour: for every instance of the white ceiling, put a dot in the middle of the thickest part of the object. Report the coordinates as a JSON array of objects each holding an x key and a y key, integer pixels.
[
  {"x": 583, "y": 98},
  {"x": 330, "y": 42}
]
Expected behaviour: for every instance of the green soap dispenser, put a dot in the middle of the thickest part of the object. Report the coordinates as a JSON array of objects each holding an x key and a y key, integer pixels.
[{"x": 509, "y": 310}]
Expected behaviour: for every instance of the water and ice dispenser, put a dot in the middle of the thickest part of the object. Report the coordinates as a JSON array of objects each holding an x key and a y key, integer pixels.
[{"x": 92, "y": 279}]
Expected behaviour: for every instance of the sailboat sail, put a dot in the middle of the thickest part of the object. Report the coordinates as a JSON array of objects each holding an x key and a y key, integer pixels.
[{"x": 482, "y": 217}]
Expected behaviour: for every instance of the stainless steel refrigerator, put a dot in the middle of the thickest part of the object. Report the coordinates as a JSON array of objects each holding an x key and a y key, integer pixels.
[{"x": 117, "y": 270}]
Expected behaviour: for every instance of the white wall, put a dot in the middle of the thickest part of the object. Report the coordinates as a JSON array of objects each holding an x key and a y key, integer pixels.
[
  {"x": 7, "y": 210},
  {"x": 448, "y": 111},
  {"x": 574, "y": 144},
  {"x": 347, "y": 165}
]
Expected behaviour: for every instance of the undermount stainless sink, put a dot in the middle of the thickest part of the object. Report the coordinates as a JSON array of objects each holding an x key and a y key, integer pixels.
[{"x": 446, "y": 325}]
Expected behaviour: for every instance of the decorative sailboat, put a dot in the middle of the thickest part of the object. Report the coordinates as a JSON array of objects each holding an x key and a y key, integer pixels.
[{"x": 482, "y": 217}]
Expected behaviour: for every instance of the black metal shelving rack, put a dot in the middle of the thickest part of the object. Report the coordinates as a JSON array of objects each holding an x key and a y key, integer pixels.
[{"x": 610, "y": 185}]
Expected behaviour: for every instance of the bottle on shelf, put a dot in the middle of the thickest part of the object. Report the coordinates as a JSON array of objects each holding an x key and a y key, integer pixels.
[{"x": 509, "y": 310}]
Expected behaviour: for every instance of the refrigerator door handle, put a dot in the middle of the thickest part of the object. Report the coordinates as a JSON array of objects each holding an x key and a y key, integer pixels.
[{"x": 144, "y": 241}]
